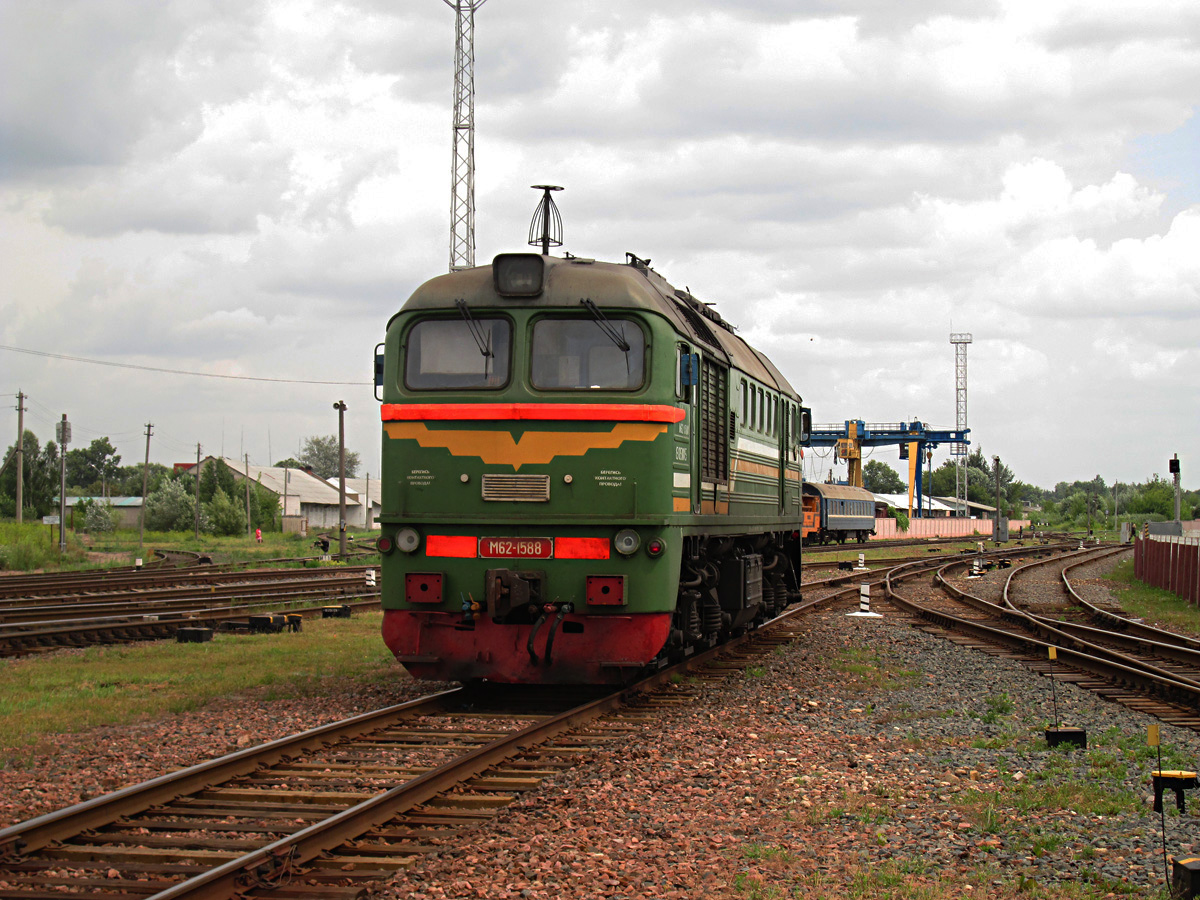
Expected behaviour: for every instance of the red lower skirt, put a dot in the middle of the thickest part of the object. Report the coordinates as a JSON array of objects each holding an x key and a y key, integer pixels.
[{"x": 608, "y": 649}]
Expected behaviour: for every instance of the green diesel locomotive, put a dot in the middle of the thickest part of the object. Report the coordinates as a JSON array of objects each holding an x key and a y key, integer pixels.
[{"x": 585, "y": 471}]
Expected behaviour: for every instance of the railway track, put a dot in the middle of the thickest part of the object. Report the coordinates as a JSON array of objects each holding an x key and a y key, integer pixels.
[
  {"x": 152, "y": 607},
  {"x": 1153, "y": 671},
  {"x": 325, "y": 812}
]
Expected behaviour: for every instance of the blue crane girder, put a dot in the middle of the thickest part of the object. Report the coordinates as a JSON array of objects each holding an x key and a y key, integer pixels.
[{"x": 880, "y": 434}]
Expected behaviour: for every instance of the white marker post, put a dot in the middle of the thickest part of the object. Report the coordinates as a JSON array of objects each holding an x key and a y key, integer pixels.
[{"x": 864, "y": 604}]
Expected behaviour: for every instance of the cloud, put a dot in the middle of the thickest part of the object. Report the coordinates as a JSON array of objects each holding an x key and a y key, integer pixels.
[
  {"x": 255, "y": 188},
  {"x": 85, "y": 83}
]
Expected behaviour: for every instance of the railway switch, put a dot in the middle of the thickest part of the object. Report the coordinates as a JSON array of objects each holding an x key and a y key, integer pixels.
[
  {"x": 1177, "y": 781},
  {"x": 1067, "y": 738},
  {"x": 267, "y": 624},
  {"x": 1185, "y": 878},
  {"x": 193, "y": 635}
]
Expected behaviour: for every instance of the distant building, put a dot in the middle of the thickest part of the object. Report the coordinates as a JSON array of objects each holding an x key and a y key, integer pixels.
[
  {"x": 937, "y": 507},
  {"x": 308, "y": 503},
  {"x": 128, "y": 509}
]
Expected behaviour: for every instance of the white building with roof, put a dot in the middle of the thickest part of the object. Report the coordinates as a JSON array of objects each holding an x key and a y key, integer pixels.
[{"x": 308, "y": 502}]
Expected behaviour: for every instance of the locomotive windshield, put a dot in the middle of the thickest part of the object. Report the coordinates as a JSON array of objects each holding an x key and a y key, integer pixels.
[
  {"x": 457, "y": 353},
  {"x": 576, "y": 353}
]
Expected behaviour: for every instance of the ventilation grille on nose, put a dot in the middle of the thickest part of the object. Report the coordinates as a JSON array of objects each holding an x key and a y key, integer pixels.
[{"x": 520, "y": 488}]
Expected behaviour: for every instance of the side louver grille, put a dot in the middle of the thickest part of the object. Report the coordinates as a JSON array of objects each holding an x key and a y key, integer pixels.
[{"x": 519, "y": 488}]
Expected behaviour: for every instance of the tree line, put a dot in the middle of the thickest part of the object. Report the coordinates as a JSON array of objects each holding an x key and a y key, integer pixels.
[
  {"x": 1071, "y": 504},
  {"x": 95, "y": 471}
]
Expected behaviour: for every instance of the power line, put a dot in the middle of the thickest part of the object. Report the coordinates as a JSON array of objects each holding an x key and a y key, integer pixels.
[{"x": 117, "y": 365}]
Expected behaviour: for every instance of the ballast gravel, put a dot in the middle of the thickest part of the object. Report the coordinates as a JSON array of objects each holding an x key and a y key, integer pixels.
[
  {"x": 72, "y": 768},
  {"x": 867, "y": 758}
]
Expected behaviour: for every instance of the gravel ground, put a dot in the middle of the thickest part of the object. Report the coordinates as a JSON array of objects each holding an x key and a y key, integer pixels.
[
  {"x": 867, "y": 758},
  {"x": 77, "y": 767},
  {"x": 867, "y": 755}
]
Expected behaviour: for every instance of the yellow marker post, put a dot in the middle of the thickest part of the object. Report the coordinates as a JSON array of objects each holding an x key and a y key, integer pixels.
[{"x": 1153, "y": 741}]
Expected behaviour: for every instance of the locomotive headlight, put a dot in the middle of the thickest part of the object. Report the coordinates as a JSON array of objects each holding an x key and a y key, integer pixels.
[
  {"x": 408, "y": 540},
  {"x": 518, "y": 274},
  {"x": 627, "y": 541},
  {"x": 385, "y": 545},
  {"x": 655, "y": 548}
]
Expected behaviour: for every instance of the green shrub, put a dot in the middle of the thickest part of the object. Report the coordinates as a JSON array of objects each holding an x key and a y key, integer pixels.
[
  {"x": 99, "y": 519},
  {"x": 226, "y": 516}
]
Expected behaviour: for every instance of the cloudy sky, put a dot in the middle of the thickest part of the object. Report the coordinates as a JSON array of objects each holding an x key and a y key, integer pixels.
[{"x": 253, "y": 188}]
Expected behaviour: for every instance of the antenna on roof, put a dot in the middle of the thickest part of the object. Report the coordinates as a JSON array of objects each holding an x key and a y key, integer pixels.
[{"x": 546, "y": 228}]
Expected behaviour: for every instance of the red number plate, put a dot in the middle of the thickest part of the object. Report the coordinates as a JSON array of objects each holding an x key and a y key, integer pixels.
[{"x": 516, "y": 548}]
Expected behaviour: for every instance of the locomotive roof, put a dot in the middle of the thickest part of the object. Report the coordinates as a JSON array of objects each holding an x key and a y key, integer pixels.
[
  {"x": 632, "y": 285},
  {"x": 839, "y": 491}
]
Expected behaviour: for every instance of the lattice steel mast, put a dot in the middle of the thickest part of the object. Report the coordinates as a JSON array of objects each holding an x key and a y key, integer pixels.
[
  {"x": 462, "y": 162},
  {"x": 959, "y": 451}
]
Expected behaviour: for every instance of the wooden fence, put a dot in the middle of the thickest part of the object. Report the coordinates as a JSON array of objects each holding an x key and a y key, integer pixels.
[{"x": 1170, "y": 563}]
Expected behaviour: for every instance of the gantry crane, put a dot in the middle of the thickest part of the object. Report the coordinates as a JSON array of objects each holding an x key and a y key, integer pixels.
[{"x": 914, "y": 438}]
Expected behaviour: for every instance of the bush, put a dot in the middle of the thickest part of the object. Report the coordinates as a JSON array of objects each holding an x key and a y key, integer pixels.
[
  {"x": 225, "y": 515},
  {"x": 99, "y": 519},
  {"x": 900, "y": 517},
  {"x": 171, "y": 508}
]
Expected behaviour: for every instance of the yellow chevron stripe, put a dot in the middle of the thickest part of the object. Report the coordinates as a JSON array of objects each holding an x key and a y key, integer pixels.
[{"x": 534, "y": 447}]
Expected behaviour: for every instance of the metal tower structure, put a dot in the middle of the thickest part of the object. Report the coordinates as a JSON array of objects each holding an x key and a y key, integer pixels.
[
  {"x": 959, "y": 451},
  {"x": 462, "y": 161}
]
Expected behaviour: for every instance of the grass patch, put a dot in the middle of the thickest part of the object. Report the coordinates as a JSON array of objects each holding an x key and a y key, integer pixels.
[
  {"x": 115, "y": 685},
  {"x": 912, "y": 878},
  {"x": 997, "y": 707},
  {"x": 1008, "y": 739},
  {"x": 222, "y": 549},
  {"x": 28, "y": 547},
  {"x": 819, "y": 557},
  {"x": 868, "y": 671},
  {"x": 32, "y": 545},
  {"x": 768, "y": 853},
  {"x": 1151, "y": 603}
]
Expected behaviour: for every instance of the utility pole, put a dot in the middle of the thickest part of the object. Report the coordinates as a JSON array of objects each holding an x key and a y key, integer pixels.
[
  {"x": 462, "y": 160},
  {"x": 197, "y": 490},
  {"x": 340, "y": 406},
  {"x": 64, "y": 438},
  {"x": 145, "y": 487},
  {"x": 20, "y": 456},
  {"x": 247, "y": 464},
  {"x": 1116, "y": 511},
  {"x": 996, "y": 463}
]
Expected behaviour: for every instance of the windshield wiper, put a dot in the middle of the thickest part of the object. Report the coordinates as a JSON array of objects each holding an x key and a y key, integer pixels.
[
  {"x": 483, "y": 339},
  {"x": 617, "y": 337}
]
